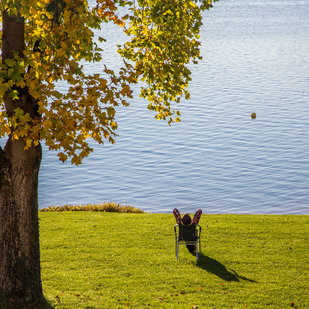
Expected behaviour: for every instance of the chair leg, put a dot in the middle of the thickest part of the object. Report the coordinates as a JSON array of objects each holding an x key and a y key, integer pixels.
[
  {"x": 196, "y": 249},
  {"x": 176, "y": 247}
]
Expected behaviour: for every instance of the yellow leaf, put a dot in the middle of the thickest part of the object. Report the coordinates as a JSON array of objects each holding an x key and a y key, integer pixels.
[
  {"x": 62, "y": 157},
  {"x": 14, "y": 136},
  {"x": 28, "y": 144},
  {"x": 64, "y": 45},
  {"x": 60, "y": 52}
]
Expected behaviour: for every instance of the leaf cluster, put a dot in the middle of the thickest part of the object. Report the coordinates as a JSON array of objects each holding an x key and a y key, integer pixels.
[
  {"x": 60, "y": 40},
  {"x": 164, "y": 40}
]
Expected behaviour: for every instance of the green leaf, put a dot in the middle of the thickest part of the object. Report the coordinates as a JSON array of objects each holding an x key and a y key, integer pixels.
[
  {"x": 10, "y": 62},
  {"x": 18, "y": 112},
  {"x": 14, "y": 95}
]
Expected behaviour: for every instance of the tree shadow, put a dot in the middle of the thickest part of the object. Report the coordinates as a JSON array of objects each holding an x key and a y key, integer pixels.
[
  {"x": 215, "y": 267},
  {"x": 42, "y": 303}
]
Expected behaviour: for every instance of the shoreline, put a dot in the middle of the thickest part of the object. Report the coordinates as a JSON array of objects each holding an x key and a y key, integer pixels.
[{"x": 112, "y": 207}]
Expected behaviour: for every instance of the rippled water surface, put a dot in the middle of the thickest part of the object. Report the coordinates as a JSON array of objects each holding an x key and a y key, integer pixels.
[{"x": 255, "y": 60}]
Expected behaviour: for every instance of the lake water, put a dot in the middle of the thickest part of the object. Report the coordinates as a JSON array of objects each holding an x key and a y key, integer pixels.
[{"x": 256, "y": 59}]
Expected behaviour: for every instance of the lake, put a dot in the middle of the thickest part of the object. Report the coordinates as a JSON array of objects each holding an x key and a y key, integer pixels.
[{"x": 255, "y": 59}]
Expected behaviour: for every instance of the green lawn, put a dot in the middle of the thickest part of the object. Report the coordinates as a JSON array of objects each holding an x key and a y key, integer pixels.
[{"x": 124, "y": 260}]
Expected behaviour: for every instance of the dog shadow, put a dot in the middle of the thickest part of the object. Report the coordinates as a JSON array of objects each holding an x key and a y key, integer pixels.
[{"x": 215, "y": 267}]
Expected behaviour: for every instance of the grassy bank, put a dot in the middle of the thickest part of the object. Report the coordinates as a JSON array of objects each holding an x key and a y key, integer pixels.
[{"x": 125, "y": 260}]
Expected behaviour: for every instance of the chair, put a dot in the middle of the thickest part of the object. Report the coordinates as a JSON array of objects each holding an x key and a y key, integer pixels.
[{"x": 188, "y": 235}]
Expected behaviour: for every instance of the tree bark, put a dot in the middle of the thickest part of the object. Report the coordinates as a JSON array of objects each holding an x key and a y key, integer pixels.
[{"x": 20, "y": 272}]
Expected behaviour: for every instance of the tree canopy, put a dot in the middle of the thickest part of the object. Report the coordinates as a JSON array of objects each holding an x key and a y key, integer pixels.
[{"x": 163, "y": 38}]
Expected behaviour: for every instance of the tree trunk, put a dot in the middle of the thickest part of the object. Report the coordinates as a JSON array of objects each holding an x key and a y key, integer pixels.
[{"x": 20, "y": 273}]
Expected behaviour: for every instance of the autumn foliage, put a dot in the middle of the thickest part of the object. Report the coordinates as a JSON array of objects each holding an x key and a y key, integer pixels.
[{"x": 59, "y": 40}]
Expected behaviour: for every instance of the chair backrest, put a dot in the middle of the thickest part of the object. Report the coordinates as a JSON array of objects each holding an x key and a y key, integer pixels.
[{"x": 187, "y": 232}]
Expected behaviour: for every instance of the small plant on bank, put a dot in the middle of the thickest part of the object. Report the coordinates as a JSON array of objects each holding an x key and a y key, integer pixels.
[{"x": 105, "y": 207}]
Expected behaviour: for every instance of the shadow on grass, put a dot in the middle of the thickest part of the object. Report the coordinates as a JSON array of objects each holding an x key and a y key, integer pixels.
[
  {"x": 215, "y": 267},
  {"x": 42, "y": 304}
]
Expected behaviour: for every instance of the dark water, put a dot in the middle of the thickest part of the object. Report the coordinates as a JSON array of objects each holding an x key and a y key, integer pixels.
[{"x": 218, "y": 158}]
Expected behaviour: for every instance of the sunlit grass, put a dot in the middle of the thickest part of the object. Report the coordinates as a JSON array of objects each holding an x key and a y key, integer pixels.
[{"x": 120, "y": 260}]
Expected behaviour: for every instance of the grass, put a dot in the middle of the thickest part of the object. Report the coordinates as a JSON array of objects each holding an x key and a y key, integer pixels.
[{"x": 127, "y": 260}]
